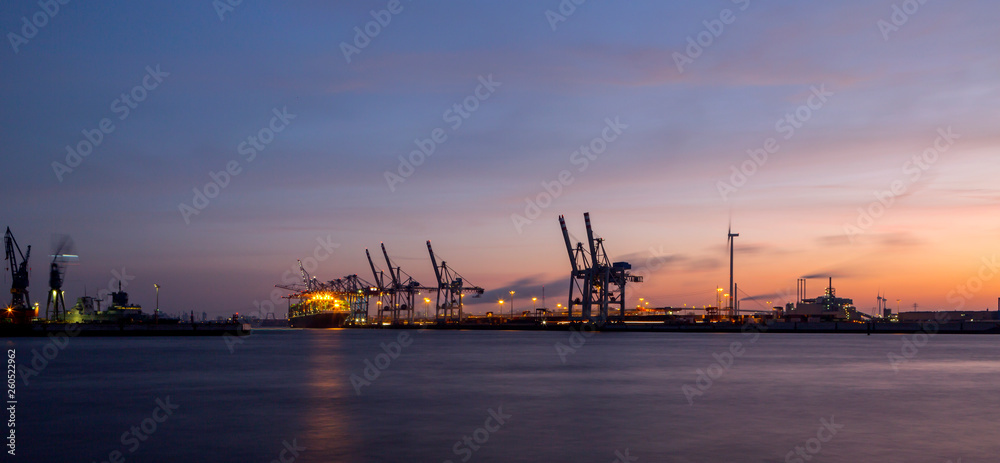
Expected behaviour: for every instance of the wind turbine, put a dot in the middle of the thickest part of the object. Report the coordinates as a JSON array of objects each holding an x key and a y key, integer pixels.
[{"x": 730, "y": 241}]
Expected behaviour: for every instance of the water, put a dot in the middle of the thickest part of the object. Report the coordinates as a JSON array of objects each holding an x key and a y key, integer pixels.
[{"x": 617, "y": 392}]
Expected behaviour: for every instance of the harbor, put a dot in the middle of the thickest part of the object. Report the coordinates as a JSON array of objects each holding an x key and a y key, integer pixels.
[
  {"x": 596, "y": 301},
  {"x": 22, "y": 318},
  {"x": 500, "y": 231}
]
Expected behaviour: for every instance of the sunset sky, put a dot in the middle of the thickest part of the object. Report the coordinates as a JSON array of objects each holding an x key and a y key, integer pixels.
[{"x": 875, "y": 102}]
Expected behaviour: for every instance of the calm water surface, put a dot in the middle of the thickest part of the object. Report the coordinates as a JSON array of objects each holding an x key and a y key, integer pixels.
[{"x": 615, "y": 393}]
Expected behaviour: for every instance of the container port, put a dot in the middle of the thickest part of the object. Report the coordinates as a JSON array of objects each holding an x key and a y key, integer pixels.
[{"x": 596, "y": 300}]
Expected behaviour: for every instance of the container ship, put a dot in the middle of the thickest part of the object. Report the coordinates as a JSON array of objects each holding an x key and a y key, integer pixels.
[{"x": 318, "y": 310}]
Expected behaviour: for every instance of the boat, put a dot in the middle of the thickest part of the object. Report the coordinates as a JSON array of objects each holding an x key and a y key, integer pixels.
[
  {"x": 319, "y": 309},
  {"x": 88, "y": 310},
  {"x": 319, "y": 320}
]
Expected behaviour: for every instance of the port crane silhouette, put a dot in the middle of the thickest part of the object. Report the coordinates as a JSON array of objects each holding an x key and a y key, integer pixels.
[
  {"x": 450, "y": 285},
  {"x": 17, "y": 261},
  {"x": 597, "y": 284}
]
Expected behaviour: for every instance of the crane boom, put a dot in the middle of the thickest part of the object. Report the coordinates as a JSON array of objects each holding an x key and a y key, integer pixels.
[
  {"x": 569, "y": 244},
  {"x": 18, "y": 270},
  {"x": 375, "y": 274},
  {"x": 306, "y": 279},
  {"x": 590, "y": 239},
  {"x": 392, "y": 271},
  {"x": 437, "y": 271}
]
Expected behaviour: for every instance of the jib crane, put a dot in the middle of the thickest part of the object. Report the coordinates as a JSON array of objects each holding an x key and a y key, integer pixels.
[
  {"x": 55, "y": 305},
  {"x": 20, "y": 303}
]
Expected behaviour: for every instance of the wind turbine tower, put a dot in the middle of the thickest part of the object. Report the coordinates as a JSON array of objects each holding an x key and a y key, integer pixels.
[{"x": 732, "y": 294}]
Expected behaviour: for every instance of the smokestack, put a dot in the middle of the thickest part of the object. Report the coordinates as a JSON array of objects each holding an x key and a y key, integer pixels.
[{"x": 830, "y": 288}]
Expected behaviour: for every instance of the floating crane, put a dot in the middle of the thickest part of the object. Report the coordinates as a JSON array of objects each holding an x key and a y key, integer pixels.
[
  {"x": 452, "y": 286},
  {"x": 20, "y": 305},
  {"x": 595, "y": 282}
]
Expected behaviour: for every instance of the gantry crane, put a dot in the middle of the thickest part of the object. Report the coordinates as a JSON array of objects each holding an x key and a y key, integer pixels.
[
  {"x": 310, "y": 282},
  {"x": 356, "y": 292},
  {"x": 595, "y": 282},
  {"x": 403, "y": 293},
  {"x": 382, "y": 291},
  {"x": 452, "y": 286},
  {"x": 20, "y": 309}
]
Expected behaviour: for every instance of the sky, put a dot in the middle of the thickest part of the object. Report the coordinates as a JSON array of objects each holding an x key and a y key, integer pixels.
[{"x": 206, "y": 147}]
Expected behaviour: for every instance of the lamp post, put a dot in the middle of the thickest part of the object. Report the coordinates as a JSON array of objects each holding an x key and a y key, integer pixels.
[
  {"x": 512, "y": 304},
  {"x": 501, "y": 307},
  {"x": 156, "y": 314}
]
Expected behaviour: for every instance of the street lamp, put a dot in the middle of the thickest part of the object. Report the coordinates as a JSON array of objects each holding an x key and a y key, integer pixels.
[
  {"x": 501, "y": 307},
  {"x": 534, "y": 302},
  {"x": 427, "y": 306},
  {"x": 512, "y": 304},
  {"x": 156, "y": 314}
]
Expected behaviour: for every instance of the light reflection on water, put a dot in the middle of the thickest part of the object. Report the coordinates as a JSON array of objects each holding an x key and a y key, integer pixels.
[{"x": 616, "y": 392}]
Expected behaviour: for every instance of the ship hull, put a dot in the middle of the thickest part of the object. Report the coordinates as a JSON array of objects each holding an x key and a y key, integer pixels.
[{"x": 319, "y": 320}]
